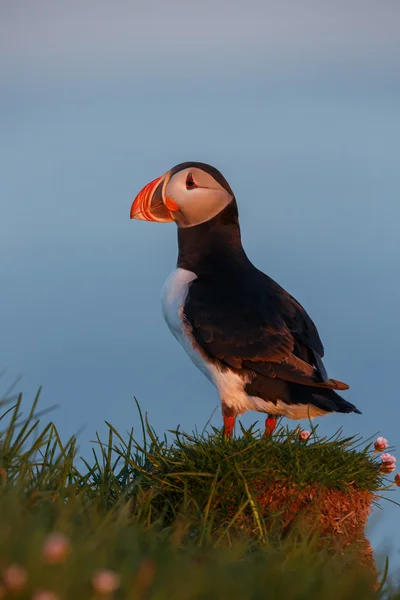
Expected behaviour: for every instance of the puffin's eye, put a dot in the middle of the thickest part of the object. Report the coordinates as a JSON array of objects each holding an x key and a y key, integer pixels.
[{"x": 190, "y": 184}]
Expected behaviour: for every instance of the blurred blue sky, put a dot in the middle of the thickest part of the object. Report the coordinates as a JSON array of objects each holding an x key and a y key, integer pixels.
[{"x": 296, "y": 103}]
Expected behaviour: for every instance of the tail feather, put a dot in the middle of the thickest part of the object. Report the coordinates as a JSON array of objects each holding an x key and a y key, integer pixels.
[{"x": 326, "y": 399}]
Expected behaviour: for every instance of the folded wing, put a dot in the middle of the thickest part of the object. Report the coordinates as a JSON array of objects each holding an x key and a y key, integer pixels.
[{"x": 256, "y": 325}]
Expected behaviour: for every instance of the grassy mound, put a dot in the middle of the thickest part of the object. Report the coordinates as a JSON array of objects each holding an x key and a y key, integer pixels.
[
  {"x": 269, "y": 486},
  {"x": 198, "y": 518}
]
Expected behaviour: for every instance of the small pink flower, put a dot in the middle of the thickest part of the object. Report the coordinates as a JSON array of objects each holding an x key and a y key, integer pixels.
[
  {"x": 397, "y": 479},
  {"x": 45, "y": 595},
  {"x": 15, "y": 578},
  {"x": 304, "y": 435},
  {"x": 381, "y": 444},
  {"x": 388, "y": 458},
  {"x": 388, "y": 467},
  {"x": 106, "y": 581},
  {"x": 56, "y": 548},
  {"x": 388, "y": 463}
]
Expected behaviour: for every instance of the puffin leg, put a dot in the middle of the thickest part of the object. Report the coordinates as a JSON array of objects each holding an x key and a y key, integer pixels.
[
  {"x": 229, "y": 426},
  {"x": 270, "y": 425},
  {"x": 229, "y": 417}
]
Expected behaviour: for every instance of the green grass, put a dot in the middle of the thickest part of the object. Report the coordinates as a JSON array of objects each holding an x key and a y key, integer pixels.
[
  {"x": 156, "y": 512},
  {"x": 333, "y": 463}
]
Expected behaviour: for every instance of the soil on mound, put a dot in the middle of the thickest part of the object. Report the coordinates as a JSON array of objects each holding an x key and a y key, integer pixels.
[{"x": 338, "y": 517}]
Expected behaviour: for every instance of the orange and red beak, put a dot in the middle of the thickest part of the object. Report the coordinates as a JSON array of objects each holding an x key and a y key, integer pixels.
[{"x": 149, "y": 204}]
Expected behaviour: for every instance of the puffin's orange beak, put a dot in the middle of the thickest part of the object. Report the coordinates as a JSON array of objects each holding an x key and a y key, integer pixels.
[{"x": 149, "y": 206}]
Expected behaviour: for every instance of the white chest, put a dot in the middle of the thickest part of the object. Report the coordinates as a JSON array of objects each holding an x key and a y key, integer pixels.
[{"x": 173, "y": 297}]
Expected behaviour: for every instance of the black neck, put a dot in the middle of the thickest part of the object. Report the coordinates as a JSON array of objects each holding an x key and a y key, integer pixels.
[{"x": 213, "y": 247}]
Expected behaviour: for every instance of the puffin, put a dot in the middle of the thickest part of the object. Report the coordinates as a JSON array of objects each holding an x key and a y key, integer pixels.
[{"x": 251, "y": 338}]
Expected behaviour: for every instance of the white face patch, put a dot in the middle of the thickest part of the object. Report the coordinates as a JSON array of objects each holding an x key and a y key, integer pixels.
[{"x": 200, "y": 203}]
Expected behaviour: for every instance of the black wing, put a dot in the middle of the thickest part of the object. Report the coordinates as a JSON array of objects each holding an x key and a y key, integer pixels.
[{"x": 253, "y": 323}]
